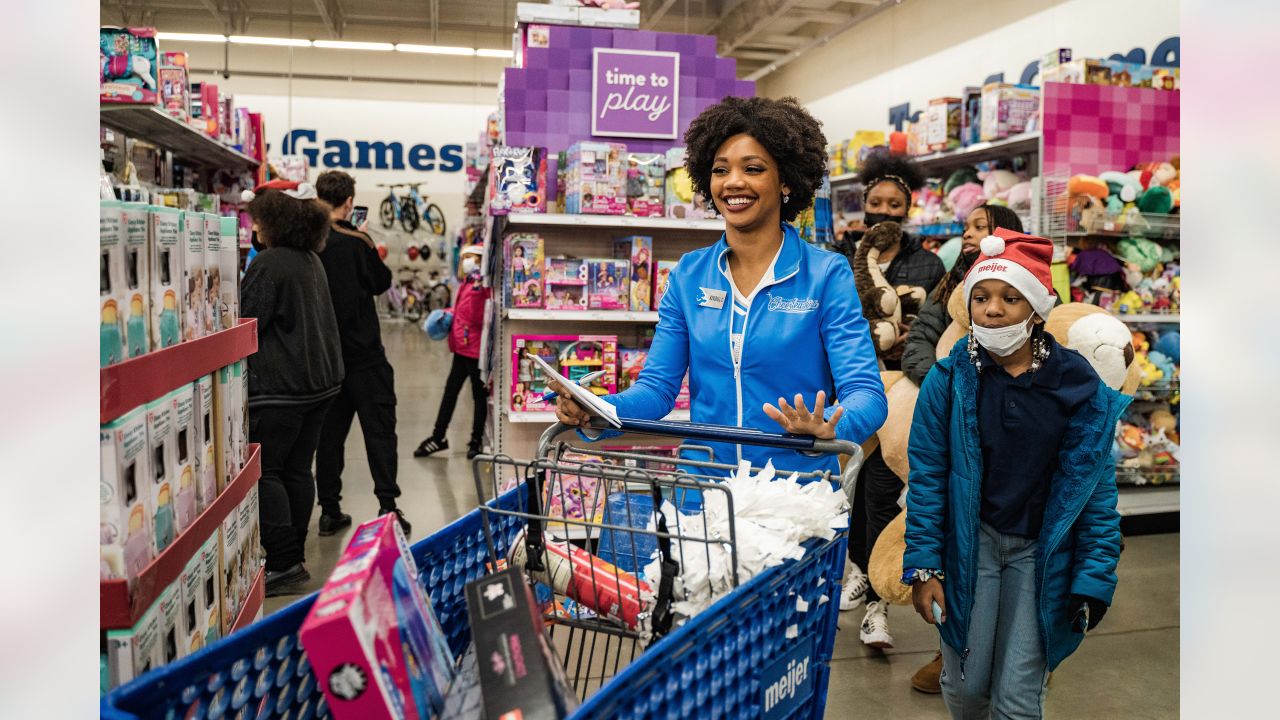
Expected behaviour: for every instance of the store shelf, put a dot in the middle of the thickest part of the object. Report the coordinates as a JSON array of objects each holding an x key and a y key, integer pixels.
[
  {"x": 547, "y": 418},
  {"x": 581, "y": 315},
  {"x": 120, "y": 609},
  {"x": 132, "y": 383},
  {"x": 253, "y": 602},
  {"x": 151, "y": 124},
  {"x": 1148, "y": 500},
  {"x": 843, "y": 178},
  {"x": 621, "y": 222},
  {"x": 1148, "y": 476},
  {"x": 979, "y": 152},
  {"x": 1170, "y": 318}
]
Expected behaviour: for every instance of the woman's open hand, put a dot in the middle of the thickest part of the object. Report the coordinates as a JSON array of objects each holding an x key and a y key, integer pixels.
[{"x": 799, "y": 421}]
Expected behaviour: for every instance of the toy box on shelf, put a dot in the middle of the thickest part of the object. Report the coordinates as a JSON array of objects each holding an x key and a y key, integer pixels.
[
  {"x": 638, "y": 249},
  {"x": 565, "y": 286},
  {"x": 517, "y": 180},
  {"x": 161, "y": 441},
  {"x": 609, "y": 284},
  {"x": 136, "y": 310},
  {"x": 970, "y": 116},
  {"x": 125, "y": 529},
  {"x": 166, "y": 237},
  {"x": 372, "y": 636},
  {"x": 175, "y": 85},
  {"x": 596, "y": 178},
  {"x": 646, "y": 180},
  {"x": 682, "y": 200},
  {"x": 574, "y": 355},
  {"x": 193, "y": 291},
  {"x": 524, "y": 270},
  {"x": 128, "y": 59},
  {"x": 111, "y": 271},
  {"x": 943, "y": 121},
  {"x": 1008, "y": 110},
  {"x": 661, "y": 276}
]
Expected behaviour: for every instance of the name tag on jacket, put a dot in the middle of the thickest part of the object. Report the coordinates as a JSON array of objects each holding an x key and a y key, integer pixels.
[{"x": 712, "y": 298}]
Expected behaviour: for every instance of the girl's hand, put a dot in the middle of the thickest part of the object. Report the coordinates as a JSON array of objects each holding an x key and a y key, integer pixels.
[
  {"x": 799, "y": 421},
  {"x": 924, "y": 595},
  {"x": 568, "y": 411}
]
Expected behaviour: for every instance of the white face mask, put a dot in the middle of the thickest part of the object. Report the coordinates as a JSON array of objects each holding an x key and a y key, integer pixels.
[
  {"x": 469, "y": 265},
  {"x": 1003, "y": 341}
]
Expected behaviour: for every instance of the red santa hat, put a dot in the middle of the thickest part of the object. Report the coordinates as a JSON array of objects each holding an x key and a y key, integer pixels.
[
  {"x": 301, "y": 191},
  {"x": 1020, "y": 260}
]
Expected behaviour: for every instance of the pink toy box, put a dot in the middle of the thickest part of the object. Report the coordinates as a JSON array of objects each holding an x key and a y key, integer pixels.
[
  {"x": 525, "y": 268},
  {"x": 646, "y": 180},
  {"x": 517, "y": 180},
  {"x": 175, "y": 85},
  {"x": 127, "y": 65},
  {"x": 639, "y": 250},
  {"x": 372, "y": 637},
  {"x": 565, "y": 284},
  {"x": 573, "y": 355},
  {"x": 609, "y": 287},
  {"x": 596, "y": 178},
  {"x": 661, "y": 274}
]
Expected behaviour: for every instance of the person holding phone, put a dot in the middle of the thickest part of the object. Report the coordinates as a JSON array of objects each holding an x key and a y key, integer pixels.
[
  {"x": 356, "y": 276},
  {"x": 1012, "y": 529},
  {"x": 767, "y": 326}
]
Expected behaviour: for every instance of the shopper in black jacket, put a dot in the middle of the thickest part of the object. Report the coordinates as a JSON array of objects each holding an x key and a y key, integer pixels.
[
  {"x": 356, "y": 275},
  {"x": 296, "y": 371},
  {"x": 920, "y": 351}
]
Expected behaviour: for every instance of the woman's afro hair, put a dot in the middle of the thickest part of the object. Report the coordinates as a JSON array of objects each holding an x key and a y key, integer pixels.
[
  {"x": 791, "y": 135},
  {"x": 877, "y": 165}
]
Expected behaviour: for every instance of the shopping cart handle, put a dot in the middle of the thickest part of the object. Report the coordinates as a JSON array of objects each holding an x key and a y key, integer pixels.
[{"x": 731, "y": 434}]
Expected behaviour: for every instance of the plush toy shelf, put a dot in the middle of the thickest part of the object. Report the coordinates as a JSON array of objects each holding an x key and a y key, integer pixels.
[{"x": 153, "y": 125}]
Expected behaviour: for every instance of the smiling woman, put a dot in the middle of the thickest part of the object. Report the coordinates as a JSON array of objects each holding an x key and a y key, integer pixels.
[{"x": 766, "y": 326}]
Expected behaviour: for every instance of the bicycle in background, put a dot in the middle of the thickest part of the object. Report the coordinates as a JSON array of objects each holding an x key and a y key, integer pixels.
[{"x": 410, "y": 209}]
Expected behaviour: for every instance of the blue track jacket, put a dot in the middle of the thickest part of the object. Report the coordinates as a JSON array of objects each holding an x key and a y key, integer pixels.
[
  {"x": 803, "y": 333},
  {"x": 1079, "y": 543}
]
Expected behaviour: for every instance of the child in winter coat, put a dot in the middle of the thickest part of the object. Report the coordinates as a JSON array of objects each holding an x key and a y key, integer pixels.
[
  {"x": 1012, "y": 530},
  {"x": 464, "y": 342}
]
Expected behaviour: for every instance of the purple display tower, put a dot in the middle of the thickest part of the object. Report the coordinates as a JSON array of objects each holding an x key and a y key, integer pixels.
[{"x": 548, "y": 102}]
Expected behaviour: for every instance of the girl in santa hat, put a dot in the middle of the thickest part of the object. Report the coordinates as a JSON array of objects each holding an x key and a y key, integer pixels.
[{"x": 1012, "y": 530}]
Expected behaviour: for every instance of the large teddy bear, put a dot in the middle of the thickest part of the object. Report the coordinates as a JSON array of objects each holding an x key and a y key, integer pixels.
[
  {"x": 885, "y": 307},
  {"x": 1088, "y": 329}
]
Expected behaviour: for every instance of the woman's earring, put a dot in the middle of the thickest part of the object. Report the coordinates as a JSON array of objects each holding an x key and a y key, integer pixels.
[
  {"x": 973, "y": 352},
  {"x": 786, "y": 199}
]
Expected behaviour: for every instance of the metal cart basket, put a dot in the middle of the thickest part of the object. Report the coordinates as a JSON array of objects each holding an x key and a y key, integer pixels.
[{"x": 761, "y": 650}]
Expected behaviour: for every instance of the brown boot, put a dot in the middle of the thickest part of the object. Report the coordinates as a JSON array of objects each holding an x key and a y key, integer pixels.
[{"x": 926, "y": 679}]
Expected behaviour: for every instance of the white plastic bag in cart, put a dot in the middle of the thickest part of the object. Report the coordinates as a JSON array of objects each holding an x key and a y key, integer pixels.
[{"x": 772, "y": 519}]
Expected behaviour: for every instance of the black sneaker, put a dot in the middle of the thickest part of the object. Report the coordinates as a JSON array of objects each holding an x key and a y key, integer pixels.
[
  {"x": 286, "y": 582},
  {"x": 331, "y": 524},
  {"x": 404, "y": 524},
  {"x": 430, "y": 445},
  {"x": 473, "y": 451}
]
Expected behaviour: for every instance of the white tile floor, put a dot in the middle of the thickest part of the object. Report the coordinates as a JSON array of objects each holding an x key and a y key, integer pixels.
[{"x": 1128, "y": 668}]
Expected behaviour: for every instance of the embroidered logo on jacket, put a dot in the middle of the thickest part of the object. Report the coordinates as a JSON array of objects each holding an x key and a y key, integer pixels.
[{"x": 792, "y": 305}]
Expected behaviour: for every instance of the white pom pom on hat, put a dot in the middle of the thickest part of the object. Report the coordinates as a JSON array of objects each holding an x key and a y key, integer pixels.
[
  {"x": 992, "y": 245},
  {"x": 248, "y": 196},
  {"x": 300, "y": 191}
]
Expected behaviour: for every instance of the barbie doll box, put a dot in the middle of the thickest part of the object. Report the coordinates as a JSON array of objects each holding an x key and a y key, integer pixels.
[
  {"x": 609, "y": 287},
  {"x": 639, "y": 250},
  {"x": 125, "y": 530}
]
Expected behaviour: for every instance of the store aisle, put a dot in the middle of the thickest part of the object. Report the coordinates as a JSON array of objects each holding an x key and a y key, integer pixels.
[{"x": 1120, "y": 671}]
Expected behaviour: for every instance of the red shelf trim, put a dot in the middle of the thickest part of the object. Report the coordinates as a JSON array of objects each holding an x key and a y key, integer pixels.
[
  {"x": 135, "y": 382},
  {"x": 118, "y": 610},
  {"x": 257, "y": 592}
]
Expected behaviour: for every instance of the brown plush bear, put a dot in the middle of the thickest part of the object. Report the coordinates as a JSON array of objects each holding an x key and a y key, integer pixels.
[{"x": 881, "y": 304}]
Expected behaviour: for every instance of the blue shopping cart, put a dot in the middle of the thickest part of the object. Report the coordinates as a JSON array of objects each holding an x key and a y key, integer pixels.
[{"x": 762, "y": 650}]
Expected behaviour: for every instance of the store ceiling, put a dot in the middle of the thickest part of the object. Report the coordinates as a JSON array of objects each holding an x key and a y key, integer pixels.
[{"x": 759, "y": 33}]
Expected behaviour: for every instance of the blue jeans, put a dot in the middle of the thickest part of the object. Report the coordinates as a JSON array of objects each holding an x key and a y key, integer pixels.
[{"x": 1004, "y": 673}]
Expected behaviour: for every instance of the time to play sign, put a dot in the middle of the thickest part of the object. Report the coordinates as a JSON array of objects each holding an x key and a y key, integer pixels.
[{"x": 634, "y": 93}]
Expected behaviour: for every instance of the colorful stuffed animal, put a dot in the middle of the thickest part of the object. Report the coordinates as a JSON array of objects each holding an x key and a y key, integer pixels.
[
  {"x": 964, "y": 198},
  {"x": 997, "y": 183},
  {"x": 880, "y": 301}
]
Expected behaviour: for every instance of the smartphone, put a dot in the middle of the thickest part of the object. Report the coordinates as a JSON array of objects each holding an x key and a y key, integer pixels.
[{"x": 358, "y": 215}]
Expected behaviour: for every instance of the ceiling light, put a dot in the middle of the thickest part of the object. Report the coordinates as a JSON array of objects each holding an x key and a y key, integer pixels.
[
  {"x": 434, "y": 49},
  {"x": 191, "y": 37},
  {"x": 252, "y": 40},
  {"x": 346, "y": 45},
  {"x": 506, "y": 54}
]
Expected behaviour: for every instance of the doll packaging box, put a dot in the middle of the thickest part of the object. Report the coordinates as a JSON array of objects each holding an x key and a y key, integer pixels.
[
  {"x": 161, "y": 441},
  {"x": 199, "y": 599},
  {"x": 251, "y": 553},
  {"x": 170, "y": 609},
  {"x": 193, "y": 292},
  {"x": 229, "y": 272},
  {"x": 229, "y": 402},
  {"x": 661, "y": 276},
  {"x": 372, "y": 637},
  {"x": 111, "y": 297},
  {"x": 574, "y": 356},
  {"x": 638, "y": 249},
  {"x": 524, "y": 269},
  {"x": 175, "y": 85},
  {"x": 517, "y": 180},
  {"x": 166, "y": 238},
  {"x": 1008, "y": 109},
  {"x": 943, "y": 121},
  {"x": 228, "y": 571},
  {"x": 135, "y": 651},
  {"x": 210, "y": 577},
  {"x": 127, "y": 64},
  {"x": 565, "y": 283},
  {"x": 186, "y": 505},
  {"x": 596, "y": 178},
  {"x": 207, "y": 475},
  {"x": 136, "y": 308},
  {"x": 125, "y": 530},
  {"x": 646, "y": 183},
  {"x": 682, "y": 200},
  {"x": 211, "y": 311},
  {"x": 609, "y": 286}
]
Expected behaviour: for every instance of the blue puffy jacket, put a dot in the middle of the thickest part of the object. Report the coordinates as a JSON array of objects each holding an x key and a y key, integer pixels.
[
  {"x": 803, "y": 333},
  {"x": 1079, "y": 543}
]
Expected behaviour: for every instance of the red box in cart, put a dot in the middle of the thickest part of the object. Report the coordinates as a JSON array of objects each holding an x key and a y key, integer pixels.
[{"x": 371, "y": 636}]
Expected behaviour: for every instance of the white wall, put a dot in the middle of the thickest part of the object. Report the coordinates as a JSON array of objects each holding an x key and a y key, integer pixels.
[{"x": 923, "y": 49}]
